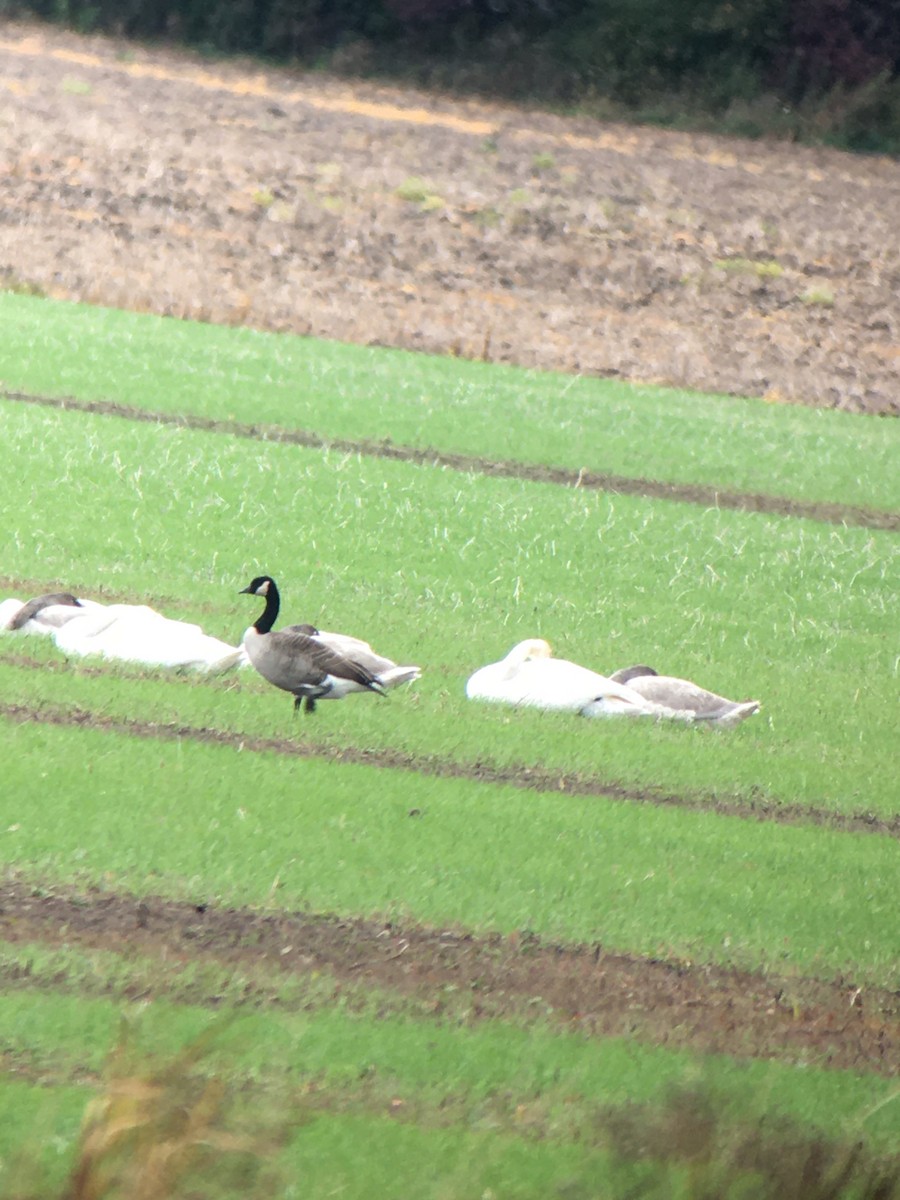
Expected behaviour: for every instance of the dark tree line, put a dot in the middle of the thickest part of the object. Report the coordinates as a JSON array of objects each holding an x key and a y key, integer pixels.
[{"x": 629, "y": 51}]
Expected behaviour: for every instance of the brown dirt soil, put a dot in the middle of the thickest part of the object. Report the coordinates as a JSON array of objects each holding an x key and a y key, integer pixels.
[
  {"x": 710, "y": 1009},
  {"x": 150, "y": 179},
  {"x": 685, "y": 493}
]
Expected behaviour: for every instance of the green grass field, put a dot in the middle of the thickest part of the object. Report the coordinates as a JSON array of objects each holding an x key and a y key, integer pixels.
[
  {"x": 696, "y": 886},
  {"x": 446, "y": 569},
  {"x": 343, "y": 391},
  {"x": 449, "y": 571}
]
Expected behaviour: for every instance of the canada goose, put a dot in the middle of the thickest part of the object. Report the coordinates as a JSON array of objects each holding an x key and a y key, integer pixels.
[
  {"x": 33, "y": 607},
  {"x": 681, "y": 693},
  {"x": 297, "y": 662},
  {"x": 386, "y": 671},
  {"x": 530, "y": 676}
]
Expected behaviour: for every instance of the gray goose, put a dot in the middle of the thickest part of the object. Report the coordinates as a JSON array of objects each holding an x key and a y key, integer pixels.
[
  {"x": 682, "y": 694},
  {"x": 298, "y": 663}
]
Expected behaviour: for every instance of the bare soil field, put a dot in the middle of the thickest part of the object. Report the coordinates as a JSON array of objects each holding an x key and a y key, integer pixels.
[{"x": 156, "y": 180}]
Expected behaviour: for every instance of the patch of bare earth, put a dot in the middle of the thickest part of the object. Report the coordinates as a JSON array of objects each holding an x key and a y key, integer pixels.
[
  {"x": 710, "y": 1009},
  {"x": 149, "y": 179}
]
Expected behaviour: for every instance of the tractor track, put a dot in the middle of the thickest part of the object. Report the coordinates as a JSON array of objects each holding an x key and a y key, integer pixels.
[{"x": 589, "y": 988}]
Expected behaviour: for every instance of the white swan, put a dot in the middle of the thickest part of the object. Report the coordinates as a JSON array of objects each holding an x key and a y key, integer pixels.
[
  {"x": 683, "y": 694},
  {"x": 136, "y": 633},
  {"x": 125, "y": 632},
  {"x": 531, "y": 677},
  {"x": 9, "y": 609}
]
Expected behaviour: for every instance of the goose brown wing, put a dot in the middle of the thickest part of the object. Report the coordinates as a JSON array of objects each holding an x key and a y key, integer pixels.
[{"x": 321, "y": 660}]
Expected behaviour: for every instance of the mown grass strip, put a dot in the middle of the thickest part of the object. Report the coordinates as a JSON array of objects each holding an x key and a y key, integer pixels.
[
  {"x": 449, "y": 571},
  {"x": 527, "y": 778},
  {"x": 446, "y": 405},
  {"x": 141, "y": 816},
  {"x": 838, "y": 514}
]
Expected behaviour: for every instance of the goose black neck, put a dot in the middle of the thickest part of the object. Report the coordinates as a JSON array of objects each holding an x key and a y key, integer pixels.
[{"x": 270, "y": 613}]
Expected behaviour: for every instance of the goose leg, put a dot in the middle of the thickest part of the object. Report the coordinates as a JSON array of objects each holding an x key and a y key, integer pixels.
[{"x": 310, "y": 704}]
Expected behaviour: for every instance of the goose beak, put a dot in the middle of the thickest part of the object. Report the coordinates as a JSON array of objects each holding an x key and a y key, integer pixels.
[{"x": 247, "y": 591}]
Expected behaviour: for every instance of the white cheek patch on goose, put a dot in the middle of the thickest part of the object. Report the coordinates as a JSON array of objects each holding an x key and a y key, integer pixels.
[{"x": 263, "y": 589}]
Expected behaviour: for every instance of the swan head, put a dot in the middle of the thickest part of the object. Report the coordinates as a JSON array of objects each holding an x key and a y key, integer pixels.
[
  {"x": 527, "y": 651},
  {"x": 260, "y": 586}
]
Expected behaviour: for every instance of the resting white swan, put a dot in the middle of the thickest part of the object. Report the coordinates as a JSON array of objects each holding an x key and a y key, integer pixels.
[
  {"x": 681, "y": 693},
  {"x": 127, "y": 632},
  {"x": 530, "y": 676},
  {"x": 136, "y": 633}
]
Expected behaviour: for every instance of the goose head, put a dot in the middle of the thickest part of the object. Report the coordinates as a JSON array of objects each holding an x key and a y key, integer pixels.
[
  {"x": 260, "y": 586},
  {"x": 51, "y": 600}
]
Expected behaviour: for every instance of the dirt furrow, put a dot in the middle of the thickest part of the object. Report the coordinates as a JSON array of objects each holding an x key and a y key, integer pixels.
[
  {"x": 539, "y": 779},
  {"x": 706, "y": 1008},
  {"x": 705, "y": 495}
]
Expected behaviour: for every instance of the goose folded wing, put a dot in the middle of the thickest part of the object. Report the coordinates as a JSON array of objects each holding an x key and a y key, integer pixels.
[
  {"x": 307, "y": 652},
  {"x": 680, "y": 693},
  {"x": 353, "y": 648}
]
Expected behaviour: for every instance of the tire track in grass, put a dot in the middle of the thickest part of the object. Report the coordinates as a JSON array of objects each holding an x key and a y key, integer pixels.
[
  {"x": 526, "y": 778},
  {"x": 705, "y": 495},
  {"x": 830, "y": 1024}
]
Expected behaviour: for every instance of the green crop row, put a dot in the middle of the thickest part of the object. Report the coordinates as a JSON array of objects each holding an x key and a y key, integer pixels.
[
  {"x": 216, "y": 824},
  {"x": 453, "y": 406},
  {"x": 487, "y": 1103}
]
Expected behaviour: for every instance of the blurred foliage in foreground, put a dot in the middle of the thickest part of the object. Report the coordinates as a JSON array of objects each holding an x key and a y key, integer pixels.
[{"x": 173, "y": 1130}]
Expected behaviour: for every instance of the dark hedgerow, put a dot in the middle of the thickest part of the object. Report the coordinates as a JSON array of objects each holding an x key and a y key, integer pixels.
[{"x": 815, "y": 69}]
